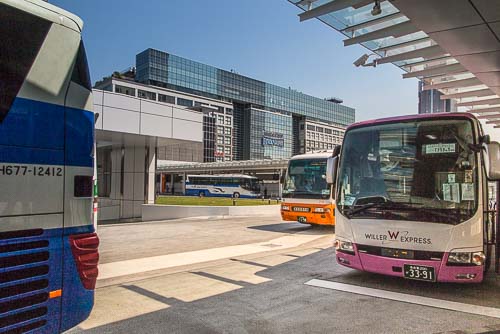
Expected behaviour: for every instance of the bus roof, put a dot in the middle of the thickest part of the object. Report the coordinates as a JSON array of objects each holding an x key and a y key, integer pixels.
[
  {"x": 313, "y": 155},
  {"x": 416, "y": 117},
  {"x": 243, "y": 176},
  {"x": 47, "y": 11}
]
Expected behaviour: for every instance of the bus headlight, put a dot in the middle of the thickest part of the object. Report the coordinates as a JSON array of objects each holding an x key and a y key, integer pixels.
[
  {"x": 459, "y": 257},
  {"x": 285, "y": 208},
  {"x": 344, "y": 246},
  {"x": 464, "y": 258},
  {"x": 321, "y": 210}
]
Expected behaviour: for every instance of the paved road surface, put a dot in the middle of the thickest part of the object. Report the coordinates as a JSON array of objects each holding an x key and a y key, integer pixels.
[{"x": 247, "y": 275}]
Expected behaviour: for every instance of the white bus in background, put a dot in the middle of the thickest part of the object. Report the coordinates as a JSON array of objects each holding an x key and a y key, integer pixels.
[
  {"x": 412, "y": 197},
  {"x": 227, "y": 185}
]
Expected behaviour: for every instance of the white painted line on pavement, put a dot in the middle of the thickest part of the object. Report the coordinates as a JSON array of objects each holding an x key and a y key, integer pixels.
[
  {"x": 130, "y": 267},
  {"x": 407, "y": 298}
]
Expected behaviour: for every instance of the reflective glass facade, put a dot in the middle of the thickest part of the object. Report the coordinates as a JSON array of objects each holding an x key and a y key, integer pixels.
[
  {"x": 162, "y": 69},
  {"x": 270, "y": 135}
]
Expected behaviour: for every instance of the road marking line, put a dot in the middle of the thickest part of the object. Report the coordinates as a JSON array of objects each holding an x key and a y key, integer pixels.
[
  {"x": 407, "y": 298},
  {"x": 135, "y": 266}
]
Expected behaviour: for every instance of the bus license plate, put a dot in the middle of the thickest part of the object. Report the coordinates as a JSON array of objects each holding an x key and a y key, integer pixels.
[
  {"x": 300, "y": 209},
  {"x": 421, "y": 273}
]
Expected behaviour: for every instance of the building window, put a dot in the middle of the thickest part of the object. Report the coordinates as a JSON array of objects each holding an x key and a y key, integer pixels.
[
  {"x": 228, "y": 120},
  {"x": 319, "y": 129},
  {"x": 329, "y": 131},
  {"x": 220, "y": 130},
  {"x": 220, "y": 140},
  {"x": 124, "y": 90},
  {"x": 228, "y": 141},
  {"x": 184, "y": 102},
  {"x": 227, "y": 151},
  {"x": 144, "y": 94},
  {"x": 227, "y": 130},
  {"x": 166, "y": 98},
  {"x": 311, "y": 127},
  {"x": 229, "y": 111},
  {"x": 104, "y": 172},
  {"x": 220, "y": 119},
  {"x": 220, "y": 149}
]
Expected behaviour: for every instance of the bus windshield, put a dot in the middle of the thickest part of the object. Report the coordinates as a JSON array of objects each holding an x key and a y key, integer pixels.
[
  {"x": 417, "y": 171},
  {"x": 306, "y": 178}
]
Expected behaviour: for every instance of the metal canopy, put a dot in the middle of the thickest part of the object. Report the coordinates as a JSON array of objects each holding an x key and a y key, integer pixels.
[
  {"x": 412, "y": 33},
  {"x": 328, "y": 8},
  {"x": 454, "y": 84},
  {"x": 436, "y": 70},
  {"x": 430, "y": 52},
  {"x": 494, "y": 109},
  {"x": 397, "y": 30},
  {"x": 470, "y": 93},
  {"x": 489, "y": 116},
  {"x": 479, "y": 102}
]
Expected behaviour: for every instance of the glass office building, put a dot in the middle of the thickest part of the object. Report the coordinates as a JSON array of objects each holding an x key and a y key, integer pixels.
[{"x": 264, "y": 114}]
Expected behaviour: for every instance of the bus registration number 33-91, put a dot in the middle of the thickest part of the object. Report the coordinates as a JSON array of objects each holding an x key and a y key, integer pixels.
[
  {"x": 422, "y": 273},
  {"x": 27, "y": 170}
]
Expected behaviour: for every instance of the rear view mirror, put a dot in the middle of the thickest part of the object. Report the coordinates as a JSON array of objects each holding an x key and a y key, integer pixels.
[
  {"x": 331, "y": 169},
  {"x": 492, "y": 160}
]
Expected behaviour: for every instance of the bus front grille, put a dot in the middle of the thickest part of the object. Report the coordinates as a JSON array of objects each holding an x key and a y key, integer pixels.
[
  {"x": 24, "y": 281},
  {"x": 396, "y": 253}
]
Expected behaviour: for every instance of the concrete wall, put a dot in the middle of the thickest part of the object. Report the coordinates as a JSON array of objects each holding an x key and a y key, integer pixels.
[
  {"x": 165, "y": 212},
  {"x": 127, "y": 114},
  {"x": 131, "y": 127},
  {"x": 138, "y": 168}
]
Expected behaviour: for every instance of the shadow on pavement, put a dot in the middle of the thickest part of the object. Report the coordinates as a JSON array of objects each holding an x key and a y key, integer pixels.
[
  {"x": 287, "y": 227},
  {"x": 284, "y": 305},
  {"x": 484, "y": 294}
]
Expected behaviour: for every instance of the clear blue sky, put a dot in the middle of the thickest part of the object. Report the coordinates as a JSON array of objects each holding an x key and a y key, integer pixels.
[{"x": 262, "y": 39}]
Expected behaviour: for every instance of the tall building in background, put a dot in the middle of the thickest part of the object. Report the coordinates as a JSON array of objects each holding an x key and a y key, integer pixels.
[
  {"x": 268, "y": 121},
  {"x": 429, "y": 101},
  {"x": 243, "y": 118}
]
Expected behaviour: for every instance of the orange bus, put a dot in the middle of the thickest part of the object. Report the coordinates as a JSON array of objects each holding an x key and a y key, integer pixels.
[{"x": 308, "y": 193}]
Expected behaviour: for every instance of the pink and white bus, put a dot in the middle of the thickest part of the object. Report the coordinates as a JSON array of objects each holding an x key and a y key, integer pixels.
[{"x": 411, "y": 197}]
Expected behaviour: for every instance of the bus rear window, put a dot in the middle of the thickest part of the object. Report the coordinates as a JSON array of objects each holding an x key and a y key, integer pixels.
[
  {"x": 21, "y": 36},
  {"x": 81, "y": 73}
]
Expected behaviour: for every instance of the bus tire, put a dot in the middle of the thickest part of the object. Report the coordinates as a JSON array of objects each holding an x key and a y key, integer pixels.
[{"x": 236, "y": 195}]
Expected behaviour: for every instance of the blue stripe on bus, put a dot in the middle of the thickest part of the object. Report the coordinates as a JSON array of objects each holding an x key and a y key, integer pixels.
[
  {"x": 206, "y": 192},
  {"x": 33, "y": 133},
  {"x": 216, "y": 185}
]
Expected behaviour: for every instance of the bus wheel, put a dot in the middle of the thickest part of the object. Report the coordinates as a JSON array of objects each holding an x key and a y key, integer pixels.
[
  {"x": 201, "y": 194},
  {"x": 236, "y": 195}
]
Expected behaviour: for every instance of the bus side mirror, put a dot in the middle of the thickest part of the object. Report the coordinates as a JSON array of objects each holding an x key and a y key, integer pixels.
[
  {"x": 492, "y": 160},
  {"x": 331, "y": 169}
]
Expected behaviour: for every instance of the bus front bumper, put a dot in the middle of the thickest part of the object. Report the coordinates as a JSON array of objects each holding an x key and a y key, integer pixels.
[
  {"x": 394, "y": 267},
  {"x": 308, "y": 218}
]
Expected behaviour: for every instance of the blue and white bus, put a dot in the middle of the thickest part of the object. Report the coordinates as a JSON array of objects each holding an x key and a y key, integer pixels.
[
  {"x": 48, "y": 244},
  {"x": 229, "y": 185}
]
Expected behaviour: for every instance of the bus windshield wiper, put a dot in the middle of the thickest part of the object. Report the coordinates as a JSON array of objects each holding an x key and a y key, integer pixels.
[
  {"x": 389, "y": 205},
  {"x": 364, "y": 207}
]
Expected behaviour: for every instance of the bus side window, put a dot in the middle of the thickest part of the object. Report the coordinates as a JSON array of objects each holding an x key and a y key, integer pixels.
[
  {"x": 81, "y": 73},
  {"x": 21, "y": 37}
]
